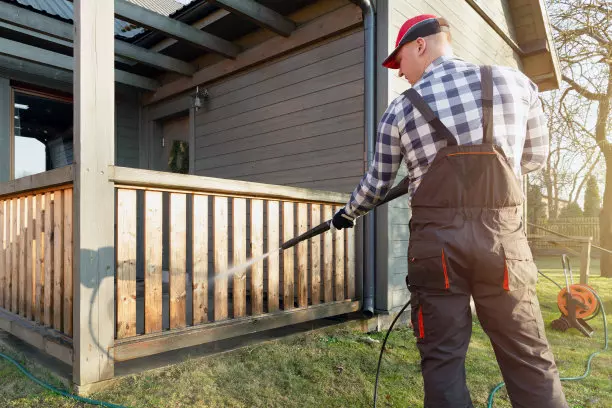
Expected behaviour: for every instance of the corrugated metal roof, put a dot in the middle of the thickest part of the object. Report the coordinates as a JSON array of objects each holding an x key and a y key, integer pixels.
[{"x": 64, "y": 10}]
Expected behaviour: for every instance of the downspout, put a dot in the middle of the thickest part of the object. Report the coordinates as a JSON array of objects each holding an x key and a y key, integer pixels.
[{"x": 369, "y": 19}]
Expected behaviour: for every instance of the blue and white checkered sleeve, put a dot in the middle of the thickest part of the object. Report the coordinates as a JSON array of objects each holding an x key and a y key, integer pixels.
[
  {"x": 376, "y": 183},
  {"x": 536, "y": 148}
]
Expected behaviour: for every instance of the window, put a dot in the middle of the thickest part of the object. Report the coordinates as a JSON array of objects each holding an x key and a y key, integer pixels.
[{"x": 43, "y": 132}]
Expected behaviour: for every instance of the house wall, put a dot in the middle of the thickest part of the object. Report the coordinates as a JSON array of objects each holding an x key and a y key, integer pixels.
[
  {"x": 473, "y": 40},
  {"x": 297, "y": 120},
  {"x": 5, "y": 130},
  {"x": 127, "y": 127}
]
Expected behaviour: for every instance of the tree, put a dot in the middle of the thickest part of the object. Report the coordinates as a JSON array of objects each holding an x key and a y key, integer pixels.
[
  {"x": 592, "y": 200},
  {"x": 582, "y": 31},
  {"x": 536, "y": 209},
  {"x": 572, "y": 210}
]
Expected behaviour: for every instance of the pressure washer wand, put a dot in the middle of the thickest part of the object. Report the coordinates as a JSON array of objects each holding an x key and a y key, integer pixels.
[{"x": 395, "y": 192}]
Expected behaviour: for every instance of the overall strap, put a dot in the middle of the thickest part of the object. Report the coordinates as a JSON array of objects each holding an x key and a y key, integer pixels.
[
  {"x": 419, "y": 103},
  {"x": 486, "y": 85}
]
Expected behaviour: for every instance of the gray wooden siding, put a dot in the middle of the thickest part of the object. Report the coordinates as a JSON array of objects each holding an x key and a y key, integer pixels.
[
  {"x": 5, "y": 130},
  {"x": 127, "y": 125},
  {"x": 475, "y": 41},
  {"x": 294, "y": 121}
]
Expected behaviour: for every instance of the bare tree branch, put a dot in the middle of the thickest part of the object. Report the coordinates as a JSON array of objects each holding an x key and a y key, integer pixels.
[{"x": 583, "y": 91}]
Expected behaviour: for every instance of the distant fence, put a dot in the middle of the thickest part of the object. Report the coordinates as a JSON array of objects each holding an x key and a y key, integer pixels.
[{"x": 574, "y": 227}]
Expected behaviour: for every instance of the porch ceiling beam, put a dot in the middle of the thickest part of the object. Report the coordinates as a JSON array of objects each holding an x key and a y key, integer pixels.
[
  {"x": 27, "y": 22},
  {"x": 53, "y": 59},
  {"x": 259, "y": 14},
  {"x": 173, "y": 28}
]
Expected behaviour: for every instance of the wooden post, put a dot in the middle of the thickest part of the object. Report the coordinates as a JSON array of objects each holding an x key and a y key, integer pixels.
[
  {"x": 94, "y": 146},
  {"x": 585, "y": 261}
]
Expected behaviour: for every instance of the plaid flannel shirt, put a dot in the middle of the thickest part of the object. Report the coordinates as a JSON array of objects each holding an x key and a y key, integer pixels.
[{"x": 452, "y": 89}]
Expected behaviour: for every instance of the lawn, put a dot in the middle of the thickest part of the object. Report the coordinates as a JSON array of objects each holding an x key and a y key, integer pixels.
[{"x": 335, "y": 368}]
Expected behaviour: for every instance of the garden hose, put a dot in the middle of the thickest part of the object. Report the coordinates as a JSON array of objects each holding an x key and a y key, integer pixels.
[
  {"x": 590, "y": 358},
  {"x": 57, "y": 390}
]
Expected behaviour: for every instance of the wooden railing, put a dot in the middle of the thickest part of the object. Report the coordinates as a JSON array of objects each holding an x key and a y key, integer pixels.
[
  {"x": 36, "y": 249},
  {"x": 205, "y": 226}
]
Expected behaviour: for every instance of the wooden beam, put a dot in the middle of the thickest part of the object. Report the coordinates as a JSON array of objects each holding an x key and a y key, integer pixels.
[
  {"x": 173, "y": 28},
  {"x": 51, "y": 178},
  {"x": 49, "y": 29},
  {"x": 147, "y": 345},
  {"x": 139, "y": 178},
  {"x": 485, "y": 16},
  {"x": 325, "y": 26},
  {"x": 53, "y": 59},
  {"x": 48, "y": 340},
  {"x": 94, "y": 195},
  {"x": 259, "y": 14}
]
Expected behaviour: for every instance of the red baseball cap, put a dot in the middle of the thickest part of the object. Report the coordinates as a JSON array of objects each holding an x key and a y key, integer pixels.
[{"x": 413, "y": 28}]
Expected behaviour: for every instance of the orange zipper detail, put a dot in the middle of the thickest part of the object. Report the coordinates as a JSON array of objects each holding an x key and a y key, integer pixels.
[
  {"x": 421, "y": 325},
  {"x": 446, "y": 283},
  {"x": 506, "y": 283}
]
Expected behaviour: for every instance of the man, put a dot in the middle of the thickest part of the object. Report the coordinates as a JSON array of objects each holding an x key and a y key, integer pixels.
[{"x": 467, "y": 135}]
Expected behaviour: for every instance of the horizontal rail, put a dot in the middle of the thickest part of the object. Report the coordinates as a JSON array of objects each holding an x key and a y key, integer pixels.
[
  {"x": 608, "y": 251},
  {"x": 163, "y": 181},
  {"x": 40, "y": 181},
  {"x": 151, "y": 344},
  {"x": 46, "y": 339}
]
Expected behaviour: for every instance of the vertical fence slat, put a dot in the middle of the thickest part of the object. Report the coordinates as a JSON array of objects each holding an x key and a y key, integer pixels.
[
  {"x": 8, "y": 276},
  {"x": 200, "y": 259},
  {"x": 302, "y": 255},
  {"x": 58, "y": 258},
  {"x": 126, "y": 263},
  {"x": 350, "y": 263},
  {"x": 48, "y": 320},
  {"x": 274, "y": 258},
  {"x": 68, "y": 239},
  {"x": 153, "y": 261},
  {"x": 3, "y": 239},
  {"x": 328, "y": 259},
  {"x": 315, "y": 256},
  {"x": 220, "y": 262},
  {"x": 15, "y": 255},
  {"x": 239, "y": 250},
  {"x": 339, "y": 263},
  {"x": 30, "y": 251},
  {"x": 178, "y": 260},
  {"x": 288, "y": 255},
  {"x": 22, "y": 255},
  {"x": 40, "y": 258},
  {"x": 257, "y": 246}
]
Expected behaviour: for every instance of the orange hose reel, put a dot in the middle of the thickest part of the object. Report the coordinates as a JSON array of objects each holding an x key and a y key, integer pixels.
[{"x": 587, "y": 302}]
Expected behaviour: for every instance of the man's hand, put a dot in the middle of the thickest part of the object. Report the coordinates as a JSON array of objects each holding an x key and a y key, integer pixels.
[{"x": 342, "y": 220}]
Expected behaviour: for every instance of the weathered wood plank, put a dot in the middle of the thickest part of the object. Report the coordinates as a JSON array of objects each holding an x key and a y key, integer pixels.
[
  {"x": 8, "y": 255},
  {"x": 178, "y": 260},
  {"x": 302, "y": 256},
  {"x": 58, "y": 258},
  {"x": 350, "y": 263},
  {"x": 68, "y": 265},
  {"x": 30, "y": 251},
  {"x": 288, "y": 257},
  {"x": 339, "y": 263},
  {"x": 15, "y": 232},
  {"x": 153, "y": 261},
  {"x": 3, "y": 242},
  {"x": 220, "y": 249},
  {"x": 239, "y": 251},
  {"x": 22, "y": 225},
  {"x": 62, "y": 175},
  {"x": 273, "y": 261},
  {"x": 259, "y": 14},
  {"x": 40, "y": 258},
  {"x": 328, "y": 258},
  {"x": 200, "y": 259},
  {"x": 126, "y": 263},
  {"x": 48, "y": 306},
  {"x": 257, "y": 247},
  {"x": 315, "y": 256}
]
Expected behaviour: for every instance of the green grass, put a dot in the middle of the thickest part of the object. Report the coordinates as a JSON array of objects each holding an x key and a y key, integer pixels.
[{"x": 334, "y": 368}]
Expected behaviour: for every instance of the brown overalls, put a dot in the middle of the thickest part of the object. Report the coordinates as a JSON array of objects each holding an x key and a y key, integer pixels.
[{"x": 467, "y": 238}]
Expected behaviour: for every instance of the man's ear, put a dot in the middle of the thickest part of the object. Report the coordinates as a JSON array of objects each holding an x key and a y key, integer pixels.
[{"x": 421, "y": 45}]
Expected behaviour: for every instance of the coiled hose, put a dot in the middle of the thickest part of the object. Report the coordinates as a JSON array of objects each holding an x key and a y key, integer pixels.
[{"x": 57, "y": 390}]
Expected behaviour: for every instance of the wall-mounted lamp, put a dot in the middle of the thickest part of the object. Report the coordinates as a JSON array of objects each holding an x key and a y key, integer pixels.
[{"x": 199, "y": 97}]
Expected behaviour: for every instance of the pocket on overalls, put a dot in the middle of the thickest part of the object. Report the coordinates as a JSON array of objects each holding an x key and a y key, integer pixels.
[
  {"x": 427, "y": 266},
  {"x": 519, "y": 268},
  {"x": 416, "y": 317}
]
